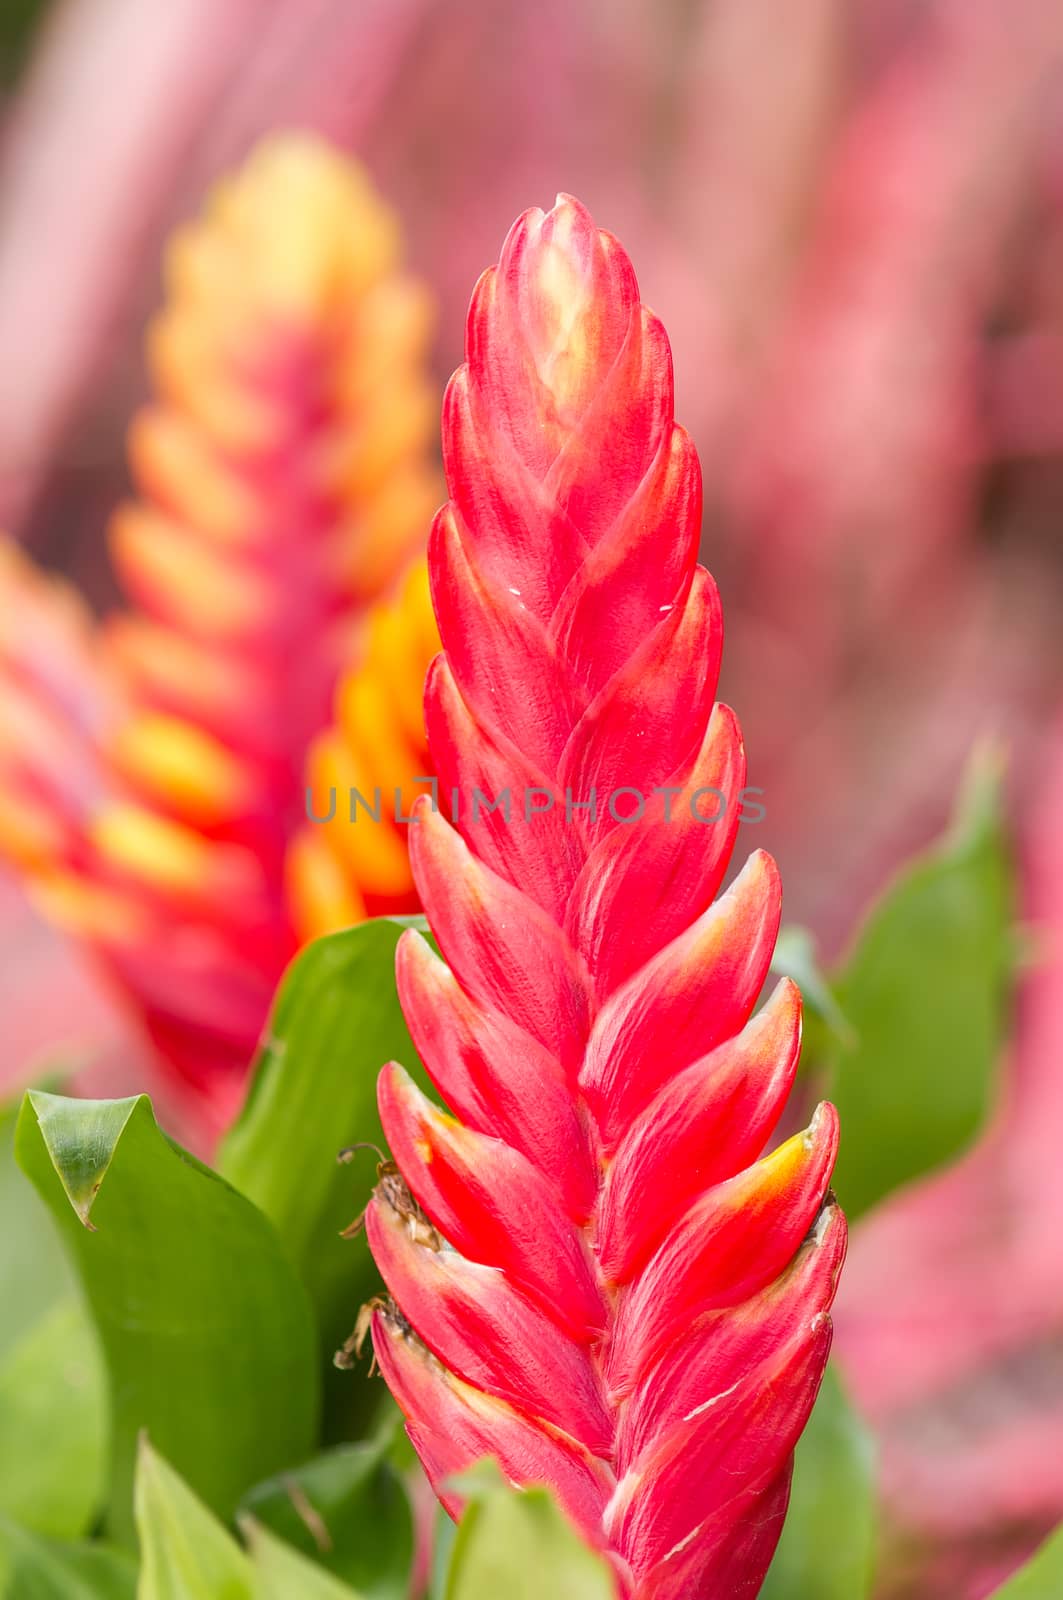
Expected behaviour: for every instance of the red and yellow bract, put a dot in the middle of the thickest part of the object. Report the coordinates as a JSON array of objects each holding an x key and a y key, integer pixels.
[
  {"x": 152, "y": 776},
  {"x": 337, "y": 870},
  {"x": 592, "y": 1277}
]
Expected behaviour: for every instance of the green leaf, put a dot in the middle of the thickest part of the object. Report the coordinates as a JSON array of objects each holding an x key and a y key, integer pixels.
[
  {"x": 348, "y": 1509},
  {"x": 1042, "y": 1576},
  {"x": 52, "y": 1408},
  {"x": 795, "y": 957},
  {"x": 828, "y": 1542},
  {"x": 281, "y": 1573},
  {"x": 336, "y": 1022},
  {"x": 185, "y": 1552},
  {"x": 520, "y": 1546},
  {"x": 36, "y": 1568},
  {"x": 53, "y": 1425},
  {"x": 444, "y": 1535},
  {"x": 207, "y": 1334},
  {"x": 34, "y": 1272},
  {"x": 926, "y": 992}
]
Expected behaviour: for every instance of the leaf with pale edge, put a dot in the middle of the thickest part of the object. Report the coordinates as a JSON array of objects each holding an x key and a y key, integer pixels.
[
  {"x": 207, "y": 1333},
  {"x": 519, "y": 1545},
  {"x": 926, "y": 993}
]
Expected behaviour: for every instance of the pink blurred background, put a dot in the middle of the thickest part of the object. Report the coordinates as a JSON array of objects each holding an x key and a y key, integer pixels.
[{"x": 849, "y": 214}]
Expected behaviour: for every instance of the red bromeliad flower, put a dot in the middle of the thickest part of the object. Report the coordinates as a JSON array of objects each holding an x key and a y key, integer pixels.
[{"x": 594, "y": 1279}]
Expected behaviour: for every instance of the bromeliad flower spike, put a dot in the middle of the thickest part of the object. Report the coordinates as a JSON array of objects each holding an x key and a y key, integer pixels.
[
  {"x": 593, "y": 1278},
  {"x": 152, "y": 779}
]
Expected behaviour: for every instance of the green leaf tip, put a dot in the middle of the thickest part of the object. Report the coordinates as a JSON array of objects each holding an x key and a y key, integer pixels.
[
  {"x": 81, "y": 1137},
  {"x": 518, "y": 1543},
  {"x": 186, "y": 1552},
  {"x": 1042, "y": 1576}
]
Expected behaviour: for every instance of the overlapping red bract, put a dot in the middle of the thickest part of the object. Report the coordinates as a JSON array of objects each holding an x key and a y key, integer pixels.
[{"x": 590, "y": 1280}]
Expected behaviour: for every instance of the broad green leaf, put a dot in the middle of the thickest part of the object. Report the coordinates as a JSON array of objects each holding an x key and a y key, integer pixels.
[
  {"x": 33, "y": 1567},
  {"x": 348, "y": 1509},
  {"x": 52, "y": 1412},
  {"x": 827, "y": 1547},
  {"x": 1042, "y": 1576},
  {"x": 336, "y": 1022},
  {"x": 185, "y": 1553},
  {"x": 53, "y": 1424},
  {"x": 926, "y": 992},
  {"x": 281, "y": 1573},
  {"x": 207, "y": 1334},
  {"x": 34, "y": 1271},
  {"x": 519, "y": 1546}
]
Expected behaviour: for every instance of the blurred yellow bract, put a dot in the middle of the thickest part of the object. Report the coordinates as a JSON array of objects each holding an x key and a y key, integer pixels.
[
  {"x": 377, "y": 747},
  {"x": 154, "y": 772}
]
